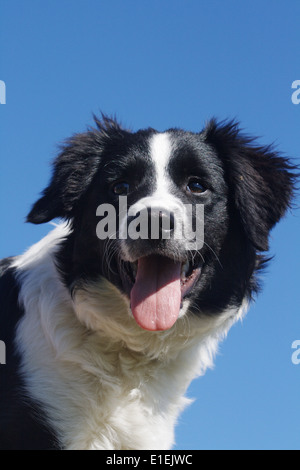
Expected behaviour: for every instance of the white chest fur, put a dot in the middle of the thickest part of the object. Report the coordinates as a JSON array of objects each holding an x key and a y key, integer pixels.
[{"x": 103, "y": 381}]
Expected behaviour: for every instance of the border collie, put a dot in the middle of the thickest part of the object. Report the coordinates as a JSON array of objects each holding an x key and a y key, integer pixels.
[{"x": 104, "y": 336}]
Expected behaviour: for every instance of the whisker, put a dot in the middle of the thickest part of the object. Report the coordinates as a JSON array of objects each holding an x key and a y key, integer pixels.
[{"x": 214, "y": 253}]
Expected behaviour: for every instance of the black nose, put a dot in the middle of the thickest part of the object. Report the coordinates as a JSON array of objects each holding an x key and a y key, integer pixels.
[
  {"x": 161, "y": 223},
  {"x": 153, "y": 224}
]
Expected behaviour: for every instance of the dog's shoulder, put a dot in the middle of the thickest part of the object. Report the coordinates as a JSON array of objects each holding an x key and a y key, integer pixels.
[
  {"x": 21, "y": 420},
  {"x": 5, "y": 264}
]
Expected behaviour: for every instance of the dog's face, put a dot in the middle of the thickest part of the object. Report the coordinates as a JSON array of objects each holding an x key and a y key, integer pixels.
[{"x": 174, "y": 220}]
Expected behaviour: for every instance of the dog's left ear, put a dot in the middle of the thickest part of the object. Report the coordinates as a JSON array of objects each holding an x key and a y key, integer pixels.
[
  {"x": 73, "y": 172},
  {"x": 262, "y": 180}
]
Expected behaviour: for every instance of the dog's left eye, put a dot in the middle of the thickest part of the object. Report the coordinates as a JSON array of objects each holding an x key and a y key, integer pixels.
[
  {"x": 195, "y": 186},
  {"x": 121, "y": 188}
]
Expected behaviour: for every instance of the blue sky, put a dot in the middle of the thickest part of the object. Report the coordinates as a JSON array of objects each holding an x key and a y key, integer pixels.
[{"x": 164, "y": 64}]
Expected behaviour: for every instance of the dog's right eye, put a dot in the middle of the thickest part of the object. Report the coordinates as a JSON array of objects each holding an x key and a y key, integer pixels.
[
  {"x": 195, "y": 186},
  {"x": 121, "y": 188}
]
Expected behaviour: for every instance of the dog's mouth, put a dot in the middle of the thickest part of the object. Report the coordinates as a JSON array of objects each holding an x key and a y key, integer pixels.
[{"x": 157, "y": 286}]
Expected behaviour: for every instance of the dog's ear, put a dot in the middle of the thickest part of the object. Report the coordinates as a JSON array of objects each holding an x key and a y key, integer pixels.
[
  {"x": 73, "y": 172},
  {"x": 262, "y": 181}
]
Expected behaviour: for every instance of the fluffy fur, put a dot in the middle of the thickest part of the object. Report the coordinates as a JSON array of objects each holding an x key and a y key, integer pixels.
[{"x": 81, "y": 373}]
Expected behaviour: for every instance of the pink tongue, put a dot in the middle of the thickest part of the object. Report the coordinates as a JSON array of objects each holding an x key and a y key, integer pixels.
[{"x": 156, "y": 295}]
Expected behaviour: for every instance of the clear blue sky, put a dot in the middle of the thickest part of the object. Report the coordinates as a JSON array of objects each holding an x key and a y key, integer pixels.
[{"x": 168, "y": 63}]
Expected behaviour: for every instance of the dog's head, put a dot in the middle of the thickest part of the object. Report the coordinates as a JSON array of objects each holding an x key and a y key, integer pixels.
[{"x": 175, "y": 220}]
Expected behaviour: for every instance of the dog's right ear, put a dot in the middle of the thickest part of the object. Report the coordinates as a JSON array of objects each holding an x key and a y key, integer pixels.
[
  {"x": 262, "y": 182},
  {"x": 73, "y": 172}
]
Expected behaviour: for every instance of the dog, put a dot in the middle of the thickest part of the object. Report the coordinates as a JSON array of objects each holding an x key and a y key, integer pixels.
[{"x": 104, "y": 335}]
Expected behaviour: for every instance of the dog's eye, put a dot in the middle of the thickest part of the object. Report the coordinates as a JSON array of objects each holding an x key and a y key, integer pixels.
[
  {"x": 121, "y": 188},
  {"x": 195, "y": 186}
]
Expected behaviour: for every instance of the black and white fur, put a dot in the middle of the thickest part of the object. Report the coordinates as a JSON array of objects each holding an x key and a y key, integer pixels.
[{"x": 80, "y": 372}]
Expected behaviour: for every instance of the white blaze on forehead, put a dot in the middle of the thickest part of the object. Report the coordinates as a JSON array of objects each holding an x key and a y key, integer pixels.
[{"x": 161, "y": 151}]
